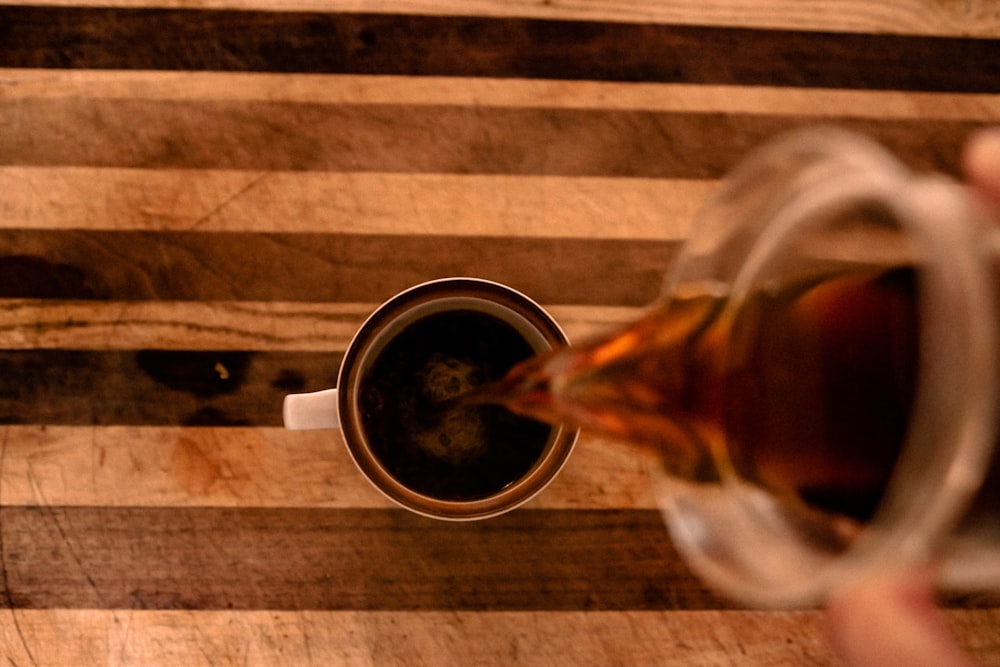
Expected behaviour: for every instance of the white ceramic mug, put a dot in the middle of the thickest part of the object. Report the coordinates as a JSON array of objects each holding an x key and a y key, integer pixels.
[{"x": 436, "y": 337}]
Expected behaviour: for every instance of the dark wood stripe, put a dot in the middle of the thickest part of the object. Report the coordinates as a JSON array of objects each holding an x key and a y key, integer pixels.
[
  {"x": 423, "y": 138},
  {"x": 320, "y": 267},
  {"x": 156, "y": 387},
  {"x": 309, "y": 559},
  {"x": 65, "y": 37},
  {"x": 316, "y": 559}
]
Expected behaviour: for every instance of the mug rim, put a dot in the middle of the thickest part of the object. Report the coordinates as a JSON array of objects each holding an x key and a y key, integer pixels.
[{"x": 363, "y": 346}]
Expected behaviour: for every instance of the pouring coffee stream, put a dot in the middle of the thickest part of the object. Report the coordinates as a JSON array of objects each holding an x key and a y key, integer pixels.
[{"x": 637, "y": 385}]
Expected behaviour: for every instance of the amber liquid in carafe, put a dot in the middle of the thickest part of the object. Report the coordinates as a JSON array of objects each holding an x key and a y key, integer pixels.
[{"x": 804, "y": 390}]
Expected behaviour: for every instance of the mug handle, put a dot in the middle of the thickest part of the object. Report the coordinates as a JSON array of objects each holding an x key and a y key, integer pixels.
[{"x": 318, "y": 409}]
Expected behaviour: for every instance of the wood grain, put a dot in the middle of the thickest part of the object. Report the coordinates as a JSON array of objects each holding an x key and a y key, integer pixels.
[
  {"x": 972, "y": 18},
  {"x": 158, "y": 637},
  {"x": 673, "y": 638},
  {"x": 156, "y": 387},
  {"x": 199, "y": 203},
  {"x": 166, "y": 466},
  {"x": 345, "y": 559},
  {"x": 255, "y": 558},
  {"x": 128, "y": 265},
  {"x": 103, "y": 198},
  {"x": 424, "y": 138},
  {"x": 491, "y": 92},
  {"x": 418, "y": 45},
  {"x": 231, "y": 325}
]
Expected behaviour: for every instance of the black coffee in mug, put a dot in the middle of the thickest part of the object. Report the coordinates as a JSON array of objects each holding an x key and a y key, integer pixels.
[{"x": 464, "y": 452}]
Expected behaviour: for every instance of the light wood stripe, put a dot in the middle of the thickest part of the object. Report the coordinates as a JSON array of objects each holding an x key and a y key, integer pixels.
[
  {"x": 201, "y": 325},
  {"x": 356, "y": 203},
  {"x": 349, "y": 639},
  {"x": 919, "y": 17},
  {"x": 362, "y": 639},
  {"x": 178, "y": 325},
  {"x": 121, "y": 466},
  {"x": 362, "y": 89}
]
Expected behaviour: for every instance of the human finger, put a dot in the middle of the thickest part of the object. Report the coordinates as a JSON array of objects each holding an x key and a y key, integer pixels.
[
  {"x": 892, "y": 621},
  {"x": 981, "y": 161}
]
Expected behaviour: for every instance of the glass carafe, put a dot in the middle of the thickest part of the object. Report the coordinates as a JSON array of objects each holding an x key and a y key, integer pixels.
[{"x": 819, "y": 381}]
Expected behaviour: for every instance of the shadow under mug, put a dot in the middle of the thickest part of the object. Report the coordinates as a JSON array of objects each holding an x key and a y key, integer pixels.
[{"x": 432, "y": 341}]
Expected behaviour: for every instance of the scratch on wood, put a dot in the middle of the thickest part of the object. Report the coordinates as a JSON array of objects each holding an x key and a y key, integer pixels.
[{"x": 228, "y": 200}]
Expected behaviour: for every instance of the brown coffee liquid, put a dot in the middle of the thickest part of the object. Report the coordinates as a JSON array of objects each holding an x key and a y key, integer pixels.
[
  {"x": 443, "y": 450},
  {"x": 804, "y": 390}
]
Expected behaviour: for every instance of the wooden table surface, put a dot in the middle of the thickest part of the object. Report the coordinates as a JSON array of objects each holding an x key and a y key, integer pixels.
[{"x": 199, "y": 203}]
